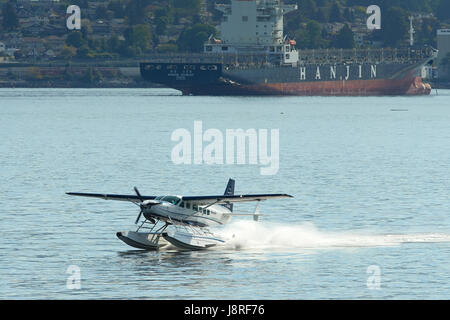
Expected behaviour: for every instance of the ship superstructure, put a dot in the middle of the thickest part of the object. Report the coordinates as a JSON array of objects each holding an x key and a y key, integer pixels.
[{"x": 254, "y": 27}]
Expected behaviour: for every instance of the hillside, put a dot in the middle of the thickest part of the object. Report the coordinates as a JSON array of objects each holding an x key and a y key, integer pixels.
[{"x": 113, "y": 29}]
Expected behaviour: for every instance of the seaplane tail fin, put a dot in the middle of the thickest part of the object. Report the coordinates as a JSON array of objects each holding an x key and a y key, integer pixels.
[{"x": 229, "y": 191}]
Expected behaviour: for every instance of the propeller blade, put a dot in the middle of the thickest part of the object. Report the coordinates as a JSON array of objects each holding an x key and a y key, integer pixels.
[
  {"x": 138, "y": 217},
  {"x": 138, "y": 194}
]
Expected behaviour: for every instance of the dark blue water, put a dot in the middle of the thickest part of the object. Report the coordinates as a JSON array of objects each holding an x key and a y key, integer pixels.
[{"x": 370, "y": 176}]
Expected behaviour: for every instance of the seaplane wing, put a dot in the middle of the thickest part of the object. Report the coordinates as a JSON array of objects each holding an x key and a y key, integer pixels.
[
  {"x": 220, "y": 199},
  {"x": 119, "y": 197},
  {"x": 199, "y": 200}
]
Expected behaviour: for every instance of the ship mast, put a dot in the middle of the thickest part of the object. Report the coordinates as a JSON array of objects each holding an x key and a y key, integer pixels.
[{"x": 411, "y": 31}]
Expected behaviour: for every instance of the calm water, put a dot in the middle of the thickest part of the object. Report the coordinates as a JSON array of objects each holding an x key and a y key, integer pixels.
[{"x": 370, "y": 176}]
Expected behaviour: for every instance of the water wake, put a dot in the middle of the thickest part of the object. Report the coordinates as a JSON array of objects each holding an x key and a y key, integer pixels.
[{"x": 251, "y": 235}]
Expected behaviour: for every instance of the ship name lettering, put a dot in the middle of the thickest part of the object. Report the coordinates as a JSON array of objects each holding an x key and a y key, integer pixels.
[
  {"x": 332, "y": 72},
  {"x": 373, "y": 71},
  {"x": 302, "y": 73},
  {"x": 318, "y": 73}
]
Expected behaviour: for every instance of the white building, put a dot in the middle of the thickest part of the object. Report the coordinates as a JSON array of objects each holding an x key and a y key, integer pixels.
[{"x": 443, "y": 43}]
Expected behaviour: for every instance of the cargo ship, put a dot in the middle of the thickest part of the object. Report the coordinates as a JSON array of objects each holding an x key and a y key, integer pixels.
[{"x": 254, "y": 57}]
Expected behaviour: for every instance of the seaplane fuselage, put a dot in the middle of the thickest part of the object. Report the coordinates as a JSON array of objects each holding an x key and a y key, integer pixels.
[{"x": 172, "y": 209}]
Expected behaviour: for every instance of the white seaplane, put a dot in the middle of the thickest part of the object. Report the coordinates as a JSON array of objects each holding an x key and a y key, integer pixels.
[{"x": 182, "y": 221}]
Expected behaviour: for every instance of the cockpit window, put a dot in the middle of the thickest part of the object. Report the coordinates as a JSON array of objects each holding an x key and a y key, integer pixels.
[
  {"x": 172, "y": 199},
  {"x": 158, "y": 198}
]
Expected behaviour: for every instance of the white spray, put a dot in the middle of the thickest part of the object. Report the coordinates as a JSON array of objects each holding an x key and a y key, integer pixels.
[{"x": 260, "y": 235}]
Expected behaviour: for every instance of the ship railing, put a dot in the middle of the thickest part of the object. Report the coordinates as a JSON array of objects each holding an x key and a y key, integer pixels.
[
  {"x": 313, "y": 56},
  {"x": 383, "y": 55}
]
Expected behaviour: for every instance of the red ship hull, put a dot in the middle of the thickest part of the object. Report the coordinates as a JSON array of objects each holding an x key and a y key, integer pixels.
[{"x": 375, "y": 87}]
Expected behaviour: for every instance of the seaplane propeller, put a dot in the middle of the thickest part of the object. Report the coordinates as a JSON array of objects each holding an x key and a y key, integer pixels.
[{"x": 143, "y": 205}]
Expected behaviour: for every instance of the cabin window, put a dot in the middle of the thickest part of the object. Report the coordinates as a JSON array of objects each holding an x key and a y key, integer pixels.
[
  {"x": 195, "y": 207},
  {"x": 224, "y": 48},
  {"x": 245, "y": 18},
  {"x": 182, "y": 204},
  {"x": 287, "y": 56},
  {"x": 171, "y": 199},
  {"x": 188, "y": 205},
  {"x": 208, "y": 48}
]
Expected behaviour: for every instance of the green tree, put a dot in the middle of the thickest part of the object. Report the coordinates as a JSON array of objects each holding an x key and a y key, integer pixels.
[
  {"x": 443, "y": 10},
  {"x": 314, "y": 35},
  {"x": 136, "y": 11},
  {"x": 395, "y": 26},
  {"x": 68, "y": 52},
  {"x": 161, "y": 24},
  {"x": 192, "y": 38},
  {"x": 345, "y": 38},
  {"x": 75, "y": 39},
  {"x": 84, "y": 52},
  {"x": 187, "y": 7},
  {"x": 91, "y": 76},
  {"x": 348, "y": 15},
  {"x": 426, "y": 32},
  {"x": 307, "y": 8},
  {"x": 321, "y": 16},
  {"x": 311, "y": 36},
  {"x": 83, "y": 4},
  {"x": 138, "y": 37},
  {"x": 10, "y": 18},
  {"x": 335, "y": 13},
  {"x": 101, "y": 12},
  {"x": 167, "y": 48},
  {"x": 113, "y": 43},
  {"x": 118, "y": 7}
]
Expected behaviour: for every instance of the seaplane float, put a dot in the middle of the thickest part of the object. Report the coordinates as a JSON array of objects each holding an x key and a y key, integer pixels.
[{"x": 182, "y": 221}]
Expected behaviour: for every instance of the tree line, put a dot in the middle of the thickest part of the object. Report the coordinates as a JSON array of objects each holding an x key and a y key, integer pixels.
[{"x": 148, "y": 21}]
